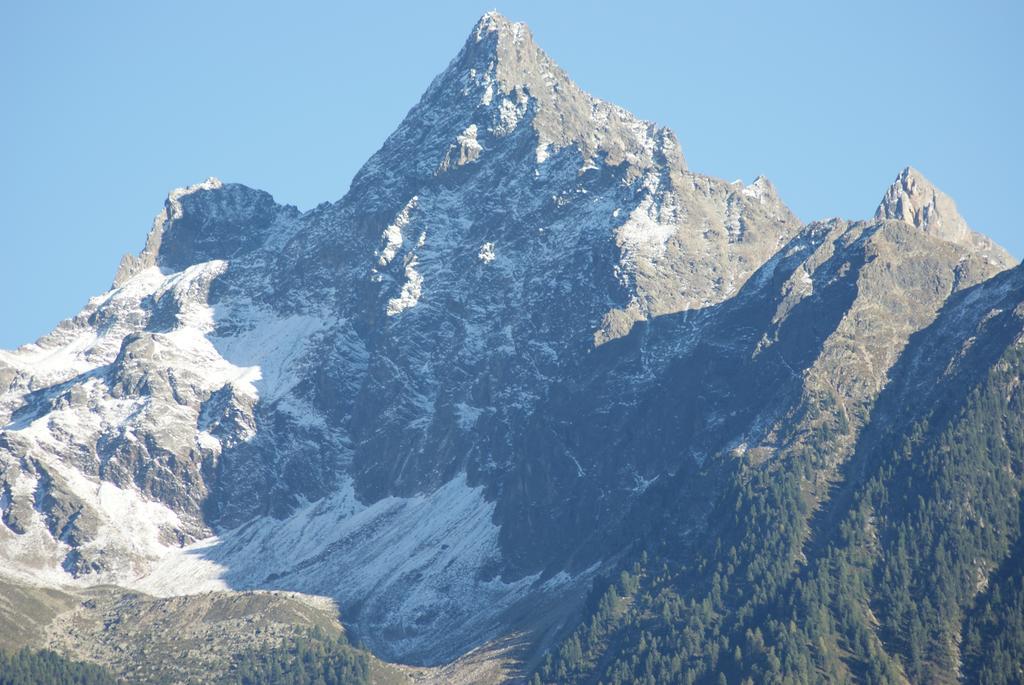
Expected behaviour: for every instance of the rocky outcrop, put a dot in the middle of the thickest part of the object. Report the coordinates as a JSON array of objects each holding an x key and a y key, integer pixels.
[{"x": 913, "y": 199}]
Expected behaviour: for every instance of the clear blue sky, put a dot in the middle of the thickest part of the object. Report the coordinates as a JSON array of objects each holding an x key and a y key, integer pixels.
[{"x": 106, "y": 106}]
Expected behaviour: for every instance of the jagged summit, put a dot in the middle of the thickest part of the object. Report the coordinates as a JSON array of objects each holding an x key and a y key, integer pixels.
[
  {"x": 181, "y": 233},
  {"x": 132, "y": 264},
  {"x": 513, "y": 64},
  {"x": 502, "y": 83},
  {"x": 915, "y": 200},
  {"x": 496, "y": 22},
  {"x": 496, "y": 42}
]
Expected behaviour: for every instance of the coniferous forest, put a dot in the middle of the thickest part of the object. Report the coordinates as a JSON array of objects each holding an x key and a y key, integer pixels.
[
  {"x": 310, "y": 659},
  {"x": 885, "y": 583},
  {"x": 27, "y": 667}
]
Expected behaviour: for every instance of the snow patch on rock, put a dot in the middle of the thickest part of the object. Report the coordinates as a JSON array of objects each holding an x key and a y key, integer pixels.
[
  {"x": 411, "y": 289},
  {"x": 486, "y": 253},
  {"x": 415, "y": 566},
  {"x": 642, "y": 235},
  {"x": 758, "y": 190},
  {"x": 392, "y": 235},
  {"x": 467, "y": 415}
]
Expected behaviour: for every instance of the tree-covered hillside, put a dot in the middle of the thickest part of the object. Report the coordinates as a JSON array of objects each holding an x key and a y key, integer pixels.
[
  {"x": 910, "y": 570},
  {"x": 27, "y": 667}
]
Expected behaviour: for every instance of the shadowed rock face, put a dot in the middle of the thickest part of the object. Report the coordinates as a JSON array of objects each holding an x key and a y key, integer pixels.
[{"x": 442, "y": 398}]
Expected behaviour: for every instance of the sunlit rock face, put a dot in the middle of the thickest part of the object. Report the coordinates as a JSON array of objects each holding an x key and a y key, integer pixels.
[{"x": 913, "y": 199}]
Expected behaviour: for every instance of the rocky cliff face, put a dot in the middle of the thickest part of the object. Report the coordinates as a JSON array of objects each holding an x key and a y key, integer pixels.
[
  {"x": 913, "y": 199},
  {"x": 444, "y": 399}
]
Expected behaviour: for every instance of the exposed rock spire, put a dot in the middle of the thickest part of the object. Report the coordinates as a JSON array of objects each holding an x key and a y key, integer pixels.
[{"x": 915, "y": 200}]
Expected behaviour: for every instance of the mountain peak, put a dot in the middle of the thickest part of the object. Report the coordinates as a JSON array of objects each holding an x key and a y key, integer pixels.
[
  {"x": 915, "y": 200},
  {"x": 499, "y": 84},
  {"x": 498, "y": 33},
  {"x": 502, "y": 57},
  {"x": 496, "y": 22}
]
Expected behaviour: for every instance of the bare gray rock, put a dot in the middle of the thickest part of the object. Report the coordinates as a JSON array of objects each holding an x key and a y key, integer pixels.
[{"x": 913, "y": 199}]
